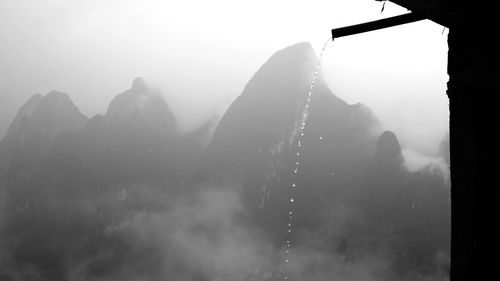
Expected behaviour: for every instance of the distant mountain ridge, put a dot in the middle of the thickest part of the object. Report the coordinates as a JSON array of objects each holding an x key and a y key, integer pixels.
[
  {"x": 36, "y": 125},
  {"x": 142, "y": 102},
  {"x": 72, "y": 187}
]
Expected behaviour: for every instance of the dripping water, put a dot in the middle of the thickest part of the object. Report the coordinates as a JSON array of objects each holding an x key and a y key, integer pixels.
[{"x": 296, "y": 169}]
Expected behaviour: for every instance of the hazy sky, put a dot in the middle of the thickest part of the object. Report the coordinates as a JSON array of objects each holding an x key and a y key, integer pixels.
[{"x": 202, "y": 53}]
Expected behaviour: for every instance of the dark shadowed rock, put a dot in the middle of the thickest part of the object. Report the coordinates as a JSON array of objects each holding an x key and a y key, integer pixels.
[{"x": 388, "y": 153}]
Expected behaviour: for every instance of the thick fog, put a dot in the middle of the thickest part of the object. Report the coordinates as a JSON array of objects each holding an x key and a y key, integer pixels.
[{"x": 200, "y": 140}]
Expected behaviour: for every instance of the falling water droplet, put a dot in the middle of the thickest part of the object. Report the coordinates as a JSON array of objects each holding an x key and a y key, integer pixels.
[{"x": 299, "y": 144}]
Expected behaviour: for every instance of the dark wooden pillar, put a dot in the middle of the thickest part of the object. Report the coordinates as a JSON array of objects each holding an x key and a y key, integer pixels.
[{"x": 474, "y": 70}]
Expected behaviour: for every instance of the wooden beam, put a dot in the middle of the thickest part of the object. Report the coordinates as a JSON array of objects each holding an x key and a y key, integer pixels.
[{"x": 376, "y": 25}]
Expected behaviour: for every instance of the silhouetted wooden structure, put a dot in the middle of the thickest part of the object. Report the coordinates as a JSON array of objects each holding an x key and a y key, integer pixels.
[
  {"x": 474, "y": 81},
  {"x": 377, "y": 24}
]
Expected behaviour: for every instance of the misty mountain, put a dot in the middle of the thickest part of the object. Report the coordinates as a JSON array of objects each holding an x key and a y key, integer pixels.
[
  {"x": 404, "y": 214},
  {"x": 255, "y": 143},
  {"x": 143, "y": 107},
  {"x": 345, "y": 163},
  {"x": 127, "y": 196},
  {"x": 31, "y": 133},
  {"x": 265, "y": 117},
  {"x": 86, "y": 171}
]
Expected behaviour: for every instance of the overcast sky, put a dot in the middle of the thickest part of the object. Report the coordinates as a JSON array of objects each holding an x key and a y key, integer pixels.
[{"x": 202, "y": 53}]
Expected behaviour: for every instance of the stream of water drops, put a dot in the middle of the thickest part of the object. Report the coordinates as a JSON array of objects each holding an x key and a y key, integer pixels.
[{"x": 296, "y": 169}]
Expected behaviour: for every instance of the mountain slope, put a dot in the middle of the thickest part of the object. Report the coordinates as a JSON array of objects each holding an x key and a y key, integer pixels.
[
  {"x": 37, "y": 123},
  {"x": 256, "y": 139}
]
